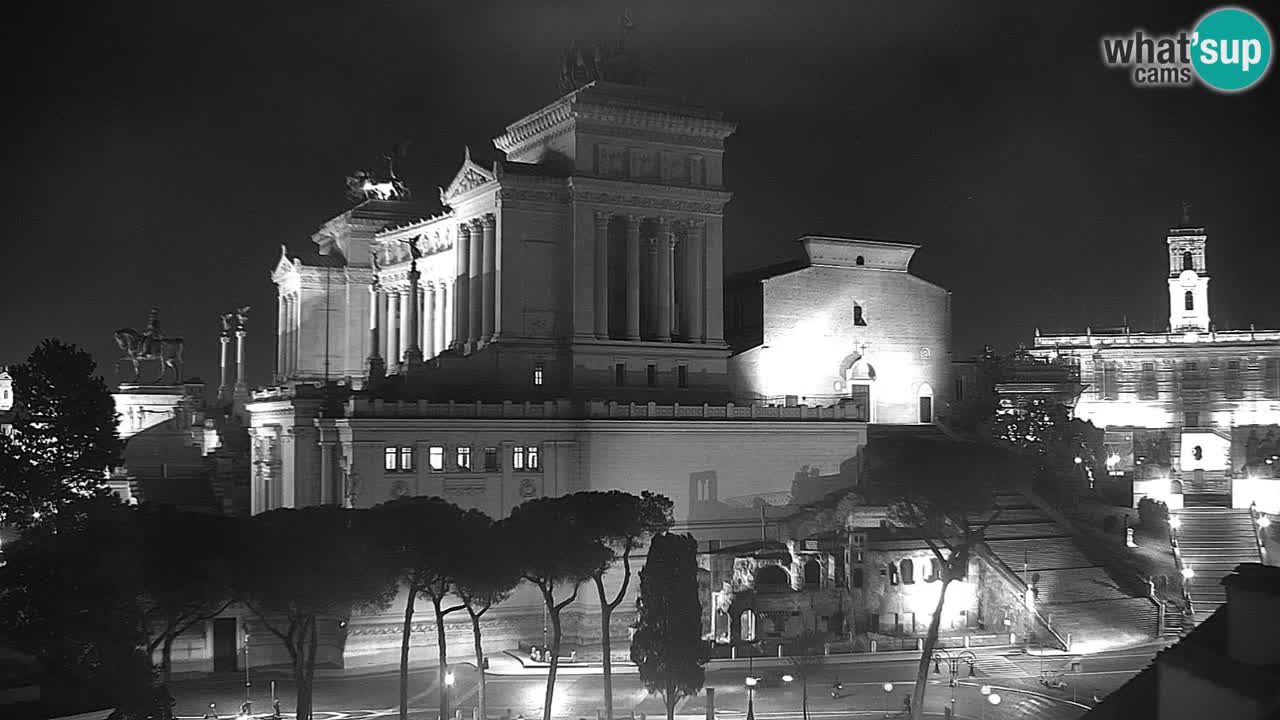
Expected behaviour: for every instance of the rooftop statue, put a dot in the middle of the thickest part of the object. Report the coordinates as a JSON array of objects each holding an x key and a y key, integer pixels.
[
  {"x": 364, "y": 185},
  {"x": 579, "y": 67},
  {"x": 151, "y": 345}
]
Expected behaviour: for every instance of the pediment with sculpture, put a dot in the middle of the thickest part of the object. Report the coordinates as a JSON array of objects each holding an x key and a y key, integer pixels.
[{"x": 469, "y": 177}]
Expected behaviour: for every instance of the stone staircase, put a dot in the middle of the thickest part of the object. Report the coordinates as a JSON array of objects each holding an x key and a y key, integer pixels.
[
  {"x": 1212, "y": 541},
  {"x": 1206, "y": 488},
  {"x": 1073, "y": 592}
]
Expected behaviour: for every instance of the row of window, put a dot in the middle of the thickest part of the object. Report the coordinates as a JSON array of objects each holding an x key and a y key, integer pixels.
[
  {"x": 525, "y": 458},
  {"x": 651, "y": 375},
  {"x": 1193, "y": 376}
]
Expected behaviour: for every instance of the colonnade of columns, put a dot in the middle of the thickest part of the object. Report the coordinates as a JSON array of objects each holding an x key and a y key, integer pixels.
[
  {"x": 667, "y": 291},
  {"x": 404, "y": 318},
  {"x": 476, "y": 310}
]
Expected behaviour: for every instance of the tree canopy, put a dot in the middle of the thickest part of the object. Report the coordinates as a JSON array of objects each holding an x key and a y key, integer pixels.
[
  {"x": 668, "y": 647},
  {"x": 64, "y": 435}
]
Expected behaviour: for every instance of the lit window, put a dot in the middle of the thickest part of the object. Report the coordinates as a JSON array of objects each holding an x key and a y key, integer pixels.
[
  {"x": 490, "y": 459},
  {"x": 682, "y": 376},
  {"x": 537, "y": 373},
  {"x": 524, "y": 457},
  {"x": 464, "y": 458},
  {"x": 651, "y": 375},
  {"x": 406, "y": 459},
  {"x": 389, "y": 459},
  {"x": 435, "y": 458}
]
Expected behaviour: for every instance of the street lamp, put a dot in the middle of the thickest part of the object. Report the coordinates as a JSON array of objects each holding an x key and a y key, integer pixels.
[
  {"x": 751, "y": 692},
  {"x": 448, "y": 684},
  {"x": 888, "y": 691},
  {"x": 1264, "y": 522},
  {"x": 1175, "y": 522},
  {"x": 247, "y": 709},
  {"x": 1188, "y": 572}
]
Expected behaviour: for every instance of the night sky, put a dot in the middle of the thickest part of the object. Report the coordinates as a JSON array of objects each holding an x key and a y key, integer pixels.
[{"x": 160, "y": 153}]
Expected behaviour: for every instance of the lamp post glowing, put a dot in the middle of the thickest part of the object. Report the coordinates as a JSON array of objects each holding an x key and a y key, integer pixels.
[
  {"x": 1264, "y": 522},
  {"x": 888, "y": 691},
  {"x": 247, "y": 709},
  {"x": 1175, "y": 522},
  {"x": 751, "y": 692},
  {"x": 448, "y": 685},
  {"x": 1188, "y": 572}
]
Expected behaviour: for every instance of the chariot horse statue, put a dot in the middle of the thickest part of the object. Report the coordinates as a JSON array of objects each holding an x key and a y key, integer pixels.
[{"x": 150, "y": 345}]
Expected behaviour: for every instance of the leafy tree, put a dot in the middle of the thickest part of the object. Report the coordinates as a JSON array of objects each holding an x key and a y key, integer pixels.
[
  {"x": 668, "y": 646},
  {"x": 486, "y": 577},
  {"x": 64, "y": 437},
  {"x": 68, "y": 596},
  {"x": 301, "y": 566},
  {"x": 945, "y": 491},
  {"x": 185, "y": 576},
  {"x": 621, "y": 522},
  {"x": 424, "y": 535},
  {"x": 807, "y": 661},
  {"x": 553, "y": 545}
]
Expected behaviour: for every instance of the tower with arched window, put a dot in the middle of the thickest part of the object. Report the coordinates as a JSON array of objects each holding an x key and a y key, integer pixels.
[{"x": 1188, "y": 280}]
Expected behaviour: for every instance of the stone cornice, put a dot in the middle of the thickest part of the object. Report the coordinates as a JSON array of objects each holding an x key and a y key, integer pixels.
[
  {"x": 533, "y": 125},
  {"x": 642, "y": 196}
]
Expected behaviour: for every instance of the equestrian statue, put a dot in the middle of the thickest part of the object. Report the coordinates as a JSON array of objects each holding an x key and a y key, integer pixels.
[{"x": 150, "y": 345}]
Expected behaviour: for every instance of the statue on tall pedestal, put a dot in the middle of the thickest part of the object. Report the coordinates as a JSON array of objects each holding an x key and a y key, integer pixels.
[{"x": 151, "y": 345}]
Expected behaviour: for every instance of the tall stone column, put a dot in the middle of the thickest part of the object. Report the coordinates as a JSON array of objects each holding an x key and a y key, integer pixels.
[
  {"x": 475, "y": 282},
  {"x": 282, "y": 323},
  {"x": 489, "y": 278},
  {"x": 393, "y": 330},
  {"x": 222, "y": 382},
  {"x": 649, "y": 319},
  {"x": 407, "y": 302},
  {"x": 295, "y": 335},
  {"x": 633, "y": 277},
  {"x": 429, "y": 320},
  {"x": 691, "y": 313},
  {"x": 242, "y": 387},
  {"x": 664, "y": 286},
  {"x": 602, "y": 275},
  {"x": 375, "y": 365},
  {"x": 412, "y": 320},
  {"x": 461, "y": 294},
  {"x": 713, "y": 253},
  {"x": 444, "y": 323}
]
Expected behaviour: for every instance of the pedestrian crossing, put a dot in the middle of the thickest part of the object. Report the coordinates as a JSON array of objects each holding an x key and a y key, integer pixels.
[{"x": 998, "y": 666}]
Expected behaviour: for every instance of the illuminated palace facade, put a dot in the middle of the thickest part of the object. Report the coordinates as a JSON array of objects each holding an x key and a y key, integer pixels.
[
  {"x": 1190, "y": 414},
  {"x": 560, "y": 326}
]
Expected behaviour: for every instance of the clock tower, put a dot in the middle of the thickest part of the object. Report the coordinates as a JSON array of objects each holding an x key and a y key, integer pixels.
[{"x": 1188, "y": 280}]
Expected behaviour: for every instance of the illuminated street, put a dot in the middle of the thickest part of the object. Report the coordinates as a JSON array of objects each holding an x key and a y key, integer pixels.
[{"x": 1015, "y": 678}]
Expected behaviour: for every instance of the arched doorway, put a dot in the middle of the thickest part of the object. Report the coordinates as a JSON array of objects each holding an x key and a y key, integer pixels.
[
  {"x": 812, "y": 574},
  {"x": 772, "y": 577}
]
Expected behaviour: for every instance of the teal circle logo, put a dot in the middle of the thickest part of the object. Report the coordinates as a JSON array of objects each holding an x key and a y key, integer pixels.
[{"x": 1231, "y": 49}]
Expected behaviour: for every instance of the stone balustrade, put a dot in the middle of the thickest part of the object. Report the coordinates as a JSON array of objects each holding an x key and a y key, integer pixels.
[
  {"x": 1174, "y": 338},
  {"x": 592, "y": 410}
]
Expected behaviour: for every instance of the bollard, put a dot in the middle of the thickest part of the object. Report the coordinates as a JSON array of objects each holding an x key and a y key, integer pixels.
[
  {"x": 919, "y": 644},
  {"x": 733, "y": 652},
  {"x": 826, "y": 648},
  {"x": 779, "y": 649},
  {"x": 873, "y": 646}
]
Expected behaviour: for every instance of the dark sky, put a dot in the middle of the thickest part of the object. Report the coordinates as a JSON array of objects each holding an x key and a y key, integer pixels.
[{"x": 160, "y": 153}]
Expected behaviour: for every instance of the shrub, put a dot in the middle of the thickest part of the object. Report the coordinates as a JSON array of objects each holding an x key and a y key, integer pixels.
[{"x": 1152, "y": 513}]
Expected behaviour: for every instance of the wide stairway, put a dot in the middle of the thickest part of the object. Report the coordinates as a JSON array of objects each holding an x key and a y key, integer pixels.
[
  {"x": 1206, "y": 487},
  {"x": 1212, "y": 542},
  {"x": 1074, "y": 593}
]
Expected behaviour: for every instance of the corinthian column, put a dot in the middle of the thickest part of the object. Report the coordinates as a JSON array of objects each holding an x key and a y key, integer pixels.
[
  {"x": 222, "y": 383},
  {"x": 461, "y": 287},
  {"x": 602, "y": 275},
  {"x": 412, "y": 321},
  {"x": 692, "y": 293},
  {"x": 282, "y": 321},
  {"x": 475, "y": 279},
  {"x": 376, "y": 367},
  {"x": 666, "y": 243},
  {"x": 429, "y": 320},
  {"x": 488, "y": 226},
  {"x": 242, "y": 388},
  {"x": 393, "y": 330},
  {"x": 633, "y": 277},
  {"x": 405, "y": 327}
]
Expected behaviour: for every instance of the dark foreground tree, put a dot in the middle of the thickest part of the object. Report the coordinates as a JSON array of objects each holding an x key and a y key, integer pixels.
[
  {"x": 64, "y": 435},
  {"x": 69, "y": 597},
  {"x": 298, "y": 568},
  {"x": 668, "y": 645},
  {"x": 806, "y": 660},
  {"x": 486, "y": 578},
  {"x": 552, "y": 546},
  {"x": 945, "y": 491},
  {"x": 424, "y": 538},
  {"x": 185, "y": 576},
  {"x": 621, "y": 522}
]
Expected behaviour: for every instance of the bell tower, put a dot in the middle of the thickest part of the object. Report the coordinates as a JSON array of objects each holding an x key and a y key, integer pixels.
[{"x": 1188, "y": 277}]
